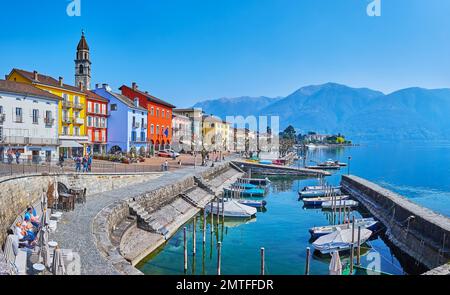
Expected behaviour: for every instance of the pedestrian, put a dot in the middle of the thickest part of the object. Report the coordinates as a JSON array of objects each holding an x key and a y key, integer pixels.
[
  {"x": 10, "y": 157},
  {"x": 85, "y": 163},
  {"x": 77, "y": 163},
  {"x": 179, "y": 163},
  {"x": 17, "y": 156},
  {"x": 89, "y": 163},
  {"x": 166, "y": 166},
  {"x": 61, "y": 160}
]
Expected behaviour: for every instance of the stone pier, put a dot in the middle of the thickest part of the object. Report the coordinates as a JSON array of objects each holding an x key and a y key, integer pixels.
[{"x": 421, "y": 233}]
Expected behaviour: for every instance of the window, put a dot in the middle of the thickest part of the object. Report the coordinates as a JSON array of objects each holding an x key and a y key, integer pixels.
[
  {"x": 113, "y": 107},
  {"x": 151, "y": 111},
  {"x": 18, "y": 115},
  {"x": 90, "y": 135},
  {"x": 142, "y": 122},
  {"x": 97, "y": 135},
  {"x": 162, "y": 114},
  {"x": 35, "y": 116},
  {"x": 76, "y": 115},
  {"x": 76, "y": 99},
  {"x": 97, "y": 122},
  {"x": 89, "y": 121},
  {"x": 133, "y": 135},
  {"x": 65, "y": 115},
  {"x": 134, "y": 121},
  {"x": 142, "y": 136},
  {"x": 89, "y": 107},
  {"x": 97, "y": 108},
  {"x": 152, "y": 129},
  {"x": 157, "y": 112},
  {"x": 157, "y": 129},
  {"x": 65, "y": 130},
  {"x": 65, "y": 96},
  {"x": 1, "y": 109},
  {"x": 48, "y": 115},
  {"x": 1, "y": 132},
  {"x": 81, "y": 67},
  {"x": 103, "y": 123},
  {"x": 76, "y": 131}
]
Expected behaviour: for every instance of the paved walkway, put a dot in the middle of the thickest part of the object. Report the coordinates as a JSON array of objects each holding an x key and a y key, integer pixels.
[{"x": 74, "y": 230}]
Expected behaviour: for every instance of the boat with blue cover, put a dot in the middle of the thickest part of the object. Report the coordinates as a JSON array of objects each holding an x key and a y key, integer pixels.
[
  {"x": 253, "y": 192},
  {"x": 244, "y": 185}
]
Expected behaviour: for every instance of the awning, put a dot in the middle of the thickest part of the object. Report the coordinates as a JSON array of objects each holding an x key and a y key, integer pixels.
[{"x": 70, "y": 143}]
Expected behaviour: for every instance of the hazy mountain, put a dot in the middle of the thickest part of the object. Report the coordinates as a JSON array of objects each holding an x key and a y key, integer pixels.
[
  {"x": 360, "y": 113},
  {"x": 243, "y": 106}
]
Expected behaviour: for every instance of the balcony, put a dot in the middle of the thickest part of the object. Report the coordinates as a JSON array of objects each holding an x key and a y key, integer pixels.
[
  {"x": 42, "y": 141},
  {"x": 136, "y": 125},
  {"x": 66, "y": 104},
  {"x": 78, "y": 121},
  {"x": 78, "y": 105},
  {"x": 19, "y": 119},
  {"x": 49, "y": 121},
  {"x": 138, "y": 140},
  {"x": 15, "y": 139},
  {"x": 67, "y": 120},
  {"x": 2, "y": 118}
]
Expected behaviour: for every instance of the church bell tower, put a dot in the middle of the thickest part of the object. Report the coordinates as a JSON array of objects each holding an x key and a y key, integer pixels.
[{"x": 83, "y": 64}]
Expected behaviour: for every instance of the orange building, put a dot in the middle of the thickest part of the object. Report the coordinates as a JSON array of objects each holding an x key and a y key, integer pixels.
[{"x": 159, "y": 120}]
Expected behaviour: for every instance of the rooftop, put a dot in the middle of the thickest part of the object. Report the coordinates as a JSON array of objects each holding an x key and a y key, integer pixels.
[
  {"x": 149, "y": 97},
  {"x": 26, "y": 89}
]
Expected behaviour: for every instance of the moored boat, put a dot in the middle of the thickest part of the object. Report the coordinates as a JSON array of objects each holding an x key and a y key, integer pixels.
[
  {"x": 319, "y": 187},
  {"x": 318, "y": 193},
  {"x": 339, "y": 240},
  {"x": 319, "y": 200},
  {"x": 253, "y": 192},
  {"x": 367, "y": 223},
  {"x": 252, "y": 203},
  {"x": 340, "y": 204},
  {"x": 242, "y": 185},
  {"x": 232, "y": 208},
  {"x": 255, "y": 181}
]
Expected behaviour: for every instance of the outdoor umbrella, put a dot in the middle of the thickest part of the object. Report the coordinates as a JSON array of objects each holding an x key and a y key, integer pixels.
[
  {"x": 44, "y": 251},
  {"x": 335, "y": 267},
  {"x": 58, "y": 267}
]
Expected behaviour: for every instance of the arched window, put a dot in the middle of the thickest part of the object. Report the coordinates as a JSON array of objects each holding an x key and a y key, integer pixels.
[{"x": 81, "y": 69}]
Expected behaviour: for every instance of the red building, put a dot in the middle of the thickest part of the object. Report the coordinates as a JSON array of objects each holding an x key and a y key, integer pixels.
[
  {"x": 96, "y": 122},
  {"x": 159, "y": 121}
]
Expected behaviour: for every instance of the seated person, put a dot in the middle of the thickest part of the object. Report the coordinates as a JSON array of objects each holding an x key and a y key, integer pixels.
[
  {"x": 31, "y": 216},
  {"x": 27, "y": 231}
]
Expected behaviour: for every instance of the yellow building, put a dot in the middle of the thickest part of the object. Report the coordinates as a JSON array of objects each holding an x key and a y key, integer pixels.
[
  {"x": 216, "y": 134},
  {"x": 71, "y": 109}
]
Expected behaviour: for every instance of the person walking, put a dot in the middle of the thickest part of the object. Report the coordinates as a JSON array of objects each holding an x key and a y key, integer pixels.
[
  {"x": 61, "y": 160},
  {"x": 166, "y": 166},
  {"x": 17, "y": 156},
  {"x": 10, "y": 157},
  {"x": 85, "y": 164},
  {"x": 77, "y": 163},
  {"x": 89, "y": 163}
]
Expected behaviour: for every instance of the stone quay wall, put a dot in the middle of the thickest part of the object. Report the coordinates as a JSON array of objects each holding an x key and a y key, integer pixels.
[
  {"x": 18, "y": 192},
  {"x": 421, "y": 233}
]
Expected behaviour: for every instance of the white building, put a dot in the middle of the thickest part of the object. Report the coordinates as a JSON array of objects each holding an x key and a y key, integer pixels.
[
  {"x": 195, "y": 115},
  {"x": 28, "y": 122},
  {"x": 182, "y": 133}
]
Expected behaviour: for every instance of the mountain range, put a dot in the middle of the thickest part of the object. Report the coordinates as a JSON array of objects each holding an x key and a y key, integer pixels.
[{"x": 359, "y": 113}]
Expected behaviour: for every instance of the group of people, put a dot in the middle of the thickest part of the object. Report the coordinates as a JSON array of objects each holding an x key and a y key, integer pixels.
[
  {"x": 83, "y": 163},
  {"x": 11, "y": 154},
  {"x": 25, "y": 232}
]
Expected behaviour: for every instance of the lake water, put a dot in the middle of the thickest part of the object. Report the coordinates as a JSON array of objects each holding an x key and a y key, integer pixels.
[{"x": 416, "y": 171}]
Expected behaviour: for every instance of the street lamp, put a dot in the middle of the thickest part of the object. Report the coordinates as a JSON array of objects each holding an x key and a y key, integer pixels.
[{"x": 348, "y": 166}]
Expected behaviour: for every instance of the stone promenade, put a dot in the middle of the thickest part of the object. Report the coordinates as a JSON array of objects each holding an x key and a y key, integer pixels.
[{"x": 75, "y": 228}]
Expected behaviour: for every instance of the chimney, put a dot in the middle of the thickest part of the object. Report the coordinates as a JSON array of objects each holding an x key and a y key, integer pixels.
[
  {"x": 97, "y": 86},
  {"x": 106, "y": 87},
  {"x": 61, "y": 81},
  {"x": 134, "y": 86},
  {"x": 35, "y": 74}
]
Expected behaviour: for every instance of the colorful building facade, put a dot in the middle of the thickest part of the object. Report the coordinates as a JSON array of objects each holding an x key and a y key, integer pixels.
[
  {"x": 159, "y": 117},
  {"x": 96, "y": 122},
  {"x": 28, "y": 122},
  {"x": 71, "y": 109}
]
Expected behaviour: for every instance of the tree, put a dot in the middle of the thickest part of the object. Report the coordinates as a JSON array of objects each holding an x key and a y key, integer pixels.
[{"x": 287, "y": 140}]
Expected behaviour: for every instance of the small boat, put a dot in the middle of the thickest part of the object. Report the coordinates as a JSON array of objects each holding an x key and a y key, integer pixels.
[
  {"x": 367, "y": 223},
  {"x": 340, "y": 204},
  {"x": 244, "y": 185},
  {"x": 232, "y": 208},
  {"x": 335, "y": 167},
  {"x": 253, "y": 203},
  {"x": 318, "y": 193},
  {"x": 329, "y": 163},
  {"x": 339, "y": 240},
  {"x": 252, "y": 192},
  {"x": 265, "y": 162},
  {"x": 255, "y": 181},
  {"x": 319, "y": 200},
  {"x": 319, "y": 187}
]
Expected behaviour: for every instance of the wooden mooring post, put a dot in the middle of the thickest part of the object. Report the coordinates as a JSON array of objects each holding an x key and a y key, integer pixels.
[
  {"x": 194, "y": 229},
  {"x": 212, "y": 218},
  {"x": 352, "y": 248},
  {"x": 262, "y": 261},
  {"x": 308, "y": 256},
  {"x": 218, "y": 210},
  {"x": 185, "y": 250},
  {"x": 204, "y": 226},
  {"x": 358, "y": 251},
  {"x": 219, "y": 253}
]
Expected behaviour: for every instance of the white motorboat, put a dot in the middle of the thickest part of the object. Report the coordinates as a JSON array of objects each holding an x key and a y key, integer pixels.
[
  {"x": 318, "y": 193},
  {"x": 319, "y": 187},
  {"x": 232, "y": 208},
  {"x": 340, "y": 204},
  {"x": 367, "y": 223},
  {"x": 339, "y": 240},
  {"x": 320, "y": 200}
]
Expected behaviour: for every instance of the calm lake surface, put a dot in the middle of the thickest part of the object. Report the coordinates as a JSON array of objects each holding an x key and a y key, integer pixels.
[{"x": 419, "y": 171}]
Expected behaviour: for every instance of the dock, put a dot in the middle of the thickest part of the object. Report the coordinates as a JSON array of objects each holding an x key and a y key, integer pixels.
[
  {"x": 418, "y": 231},
  {"x": 271, "y": 169}
]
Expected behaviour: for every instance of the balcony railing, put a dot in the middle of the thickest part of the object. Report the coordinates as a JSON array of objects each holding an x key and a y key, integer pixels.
[
  {"x": 42, "y": 141},
  {"x": 19, "y": 119},
  {"x": 66, "y": 104},
  {"x": 136, "y": 125},
  {"x": 49, "y": 121},
  {"x": 78, "y": 121},
  {"x": 67, "y": 120},
  {"x": 78, "y": 105}
]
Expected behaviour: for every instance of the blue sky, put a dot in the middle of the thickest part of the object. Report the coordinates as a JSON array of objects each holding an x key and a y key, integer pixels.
[{"x": 189, "y": 50}]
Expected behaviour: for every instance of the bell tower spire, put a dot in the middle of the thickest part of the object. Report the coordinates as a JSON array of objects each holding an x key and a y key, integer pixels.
[{"x": 83, "y": 64}]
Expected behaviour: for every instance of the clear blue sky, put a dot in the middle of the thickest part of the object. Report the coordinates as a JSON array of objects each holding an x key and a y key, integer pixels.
[{"x": 190, "y": 50}]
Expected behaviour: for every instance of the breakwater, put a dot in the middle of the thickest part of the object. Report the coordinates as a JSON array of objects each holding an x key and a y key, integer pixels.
[{"x": 418, "y": 231}]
